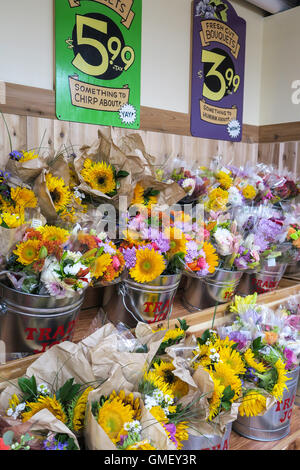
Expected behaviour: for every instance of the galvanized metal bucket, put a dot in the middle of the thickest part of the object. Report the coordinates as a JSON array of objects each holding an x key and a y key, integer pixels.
[
  {"x": 266, "y": 280},
  {"x": 209, "y": 442},
  {"x": 31, "y": 324},
  {"x": 275, "y": 423},
  {"x": 205, "y": 293},
  {"x": 293, "y": 270},
  {"x": 133, "y": 302},
  {"x": 297, "y": 399}
]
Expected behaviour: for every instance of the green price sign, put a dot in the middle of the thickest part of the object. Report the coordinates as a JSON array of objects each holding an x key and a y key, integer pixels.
[{"x": 98, "y": 61}]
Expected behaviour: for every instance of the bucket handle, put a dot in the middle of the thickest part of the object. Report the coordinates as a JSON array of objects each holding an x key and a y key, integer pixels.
[{"x": 123, "y": 292}]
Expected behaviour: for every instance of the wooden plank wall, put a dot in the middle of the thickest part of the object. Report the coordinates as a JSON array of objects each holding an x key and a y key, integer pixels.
[{"x": 28, "y": 131}]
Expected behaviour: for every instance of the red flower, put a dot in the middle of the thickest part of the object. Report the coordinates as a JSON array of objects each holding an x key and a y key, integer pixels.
[{"x": 3, "y": 446}]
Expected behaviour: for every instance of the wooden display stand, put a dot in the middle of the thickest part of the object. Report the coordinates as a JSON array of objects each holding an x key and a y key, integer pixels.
[{"x": 198, "y": 322}]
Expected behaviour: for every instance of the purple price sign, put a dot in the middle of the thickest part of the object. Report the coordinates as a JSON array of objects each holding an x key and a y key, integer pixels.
[{"x": 219, "y": 39}]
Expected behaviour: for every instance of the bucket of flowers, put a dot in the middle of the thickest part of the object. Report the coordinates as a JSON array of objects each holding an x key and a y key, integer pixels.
[
  {"x": 272, "y": 370},
  {"x": 43, "y": 285}
]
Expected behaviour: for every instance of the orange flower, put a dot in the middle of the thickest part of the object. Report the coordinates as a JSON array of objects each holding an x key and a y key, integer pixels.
[{"x": 271, "y": 337}]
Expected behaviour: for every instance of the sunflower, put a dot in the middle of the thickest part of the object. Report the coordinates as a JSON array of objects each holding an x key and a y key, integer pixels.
[
  {"x": 27, "y": 252},
  {"x": 227, "y": 377},
  {"x": 149, "y": 265},
  {"x": 27, "y": 156},
  {"x": 141, "y": 445},
  {"x": 165, "y": 370},
  {"x": 177, "y": 241},
  {"x": 78, "y": 410},
  {"x": 100, "y": 265},
  {"x": 157, "y": 382},
  {"x": 215, "y": 400},
  {"x": 159, "y": 414},
  {"x": 23, "y": 197},
  {"x": 48, "y": 403},
  {"x": 138, "y": 195},
  {"x": 99, "y": 176},
  {"x": 59, "y": 192},
  {"x": 181, "y": 433},
  {"x": 174, "y": 335},
  {"x": 250, "y": 360},
  {"x": 211, "y": 257},
  {"x": 279, "y": 387},
  {"x": 53, "y": 233},
  {"x": 87, "y": 241},
  {"x": 129, "y": 399},
  {"x": 232, "y": 358},
  {"x": 112, "y": 416},
  {"x": 252, "y": 404}
]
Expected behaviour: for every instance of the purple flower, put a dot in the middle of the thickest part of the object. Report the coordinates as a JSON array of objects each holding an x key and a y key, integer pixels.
[
  {"x": 15, "y": 155},
  {"x": 293, "y": 321},
  {"x": 53, "y": 444},
  {"x": 171, "y": 428},
  {"x": 55, "y": 289},
  {"x": 239, "y": 338},
  {"x": 129, "y": 257},
  {"x": 192, "y": 251},
  {"x": 291, "y": 358}
]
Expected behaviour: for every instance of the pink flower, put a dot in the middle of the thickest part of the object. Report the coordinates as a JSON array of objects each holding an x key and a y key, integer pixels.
[
  {"x": 293, "y": 321},
  {"x": 116, "y": 263}
]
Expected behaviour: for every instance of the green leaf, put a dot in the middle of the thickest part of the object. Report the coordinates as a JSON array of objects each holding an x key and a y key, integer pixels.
[
  {"x": 205, "y": 337},
  {"x": 183, "y": 325},
  {"x": 28, "y": 387},
  {"x": 257, "y": 344},
  {"x": 68, "y": 391},
  {"x": 228, "y": 394},
  {"x": 122, "y": 174}
]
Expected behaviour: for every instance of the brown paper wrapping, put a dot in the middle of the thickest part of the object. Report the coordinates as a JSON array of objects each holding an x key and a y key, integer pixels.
[
  {"x": 9, "y": 237},
  {"x": 95, "y": 436},
  {"x": 103, "y": 149},
  {"x": 26, "y": 171},
  {"x": 44, "y": 199},
  {"x": 169, "y": 193}
]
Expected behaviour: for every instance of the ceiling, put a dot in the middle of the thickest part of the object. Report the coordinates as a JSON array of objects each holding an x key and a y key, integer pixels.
[{"x": 271, "y": 7}]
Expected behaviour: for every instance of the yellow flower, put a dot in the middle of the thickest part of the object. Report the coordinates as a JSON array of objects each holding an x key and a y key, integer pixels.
[
  {"x": 100, "y": 265},
  {"x": 149, "y": 265},
  {"x": 279, "y": 387},
  {"x": 174, "y": 334},
  {"x": 227, "y": 377},
  {"x": 99, "y": 175},
  {"x": 53, "y": 233},
  {"x": 211, "y": 257},
  {"x": 181, "y": 434},
  {"x": 59, "y": 192},
  {"x": 79, "y": 410},
  {"x": 242, "y": 304},
  {"x": 138, "y": 195},
  {"x": 215, "y": 400},
  {"x": 28, "y": 251},
  {"x": 129, "y": 399},
  {"x": 141, "y": 445},
  {"x": 252, "y": 404},
  {"x": 165, "y": 370},
  {"x": 28, "y": 156},
  {"x": 158, "y": 382},
  {"x": 233, "y": 359},
  {"x": 249, "y": 358},
  {"x": 48, "y": 403},
  {"x": 13, "y": 220},
  {"x": 249, "y": 192},
  {"x": 112, "y": 417},
  {"x": 177, "y": 241},
  {"x": 224, "y": 179},
  {"x": 13, "y": 402},
  {"x": 159, "y": 414},
  {"x": 217, "y": 200},
  {"x": 23, "y": 197}
]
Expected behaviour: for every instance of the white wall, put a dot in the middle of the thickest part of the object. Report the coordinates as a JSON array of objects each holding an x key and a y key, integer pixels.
[
  {"x": 26, "y": 51},
  {"x": 281, "y": 67}
]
